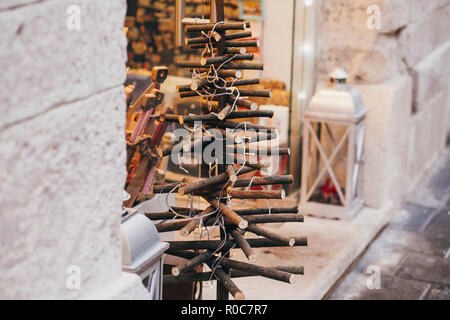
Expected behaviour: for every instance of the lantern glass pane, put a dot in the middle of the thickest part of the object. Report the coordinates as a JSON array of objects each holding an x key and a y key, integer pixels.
[
  {"x": 327, "y": 165},
  {"x": 359, "y": 144}
]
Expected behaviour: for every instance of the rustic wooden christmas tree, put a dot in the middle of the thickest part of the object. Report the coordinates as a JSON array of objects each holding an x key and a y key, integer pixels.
[{"x": 216, "y": 80}]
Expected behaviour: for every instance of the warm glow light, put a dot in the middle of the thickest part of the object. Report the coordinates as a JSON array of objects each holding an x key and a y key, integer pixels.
[
  {"x": 302, "y": 95},
  {"x": 306, "y": 47},
  {"x": 308, "y": 2}
]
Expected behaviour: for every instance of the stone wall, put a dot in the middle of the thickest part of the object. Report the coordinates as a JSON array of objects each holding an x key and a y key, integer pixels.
[
  {"x": 402, "y": 72},
  {"x": 62, "y": 167}
]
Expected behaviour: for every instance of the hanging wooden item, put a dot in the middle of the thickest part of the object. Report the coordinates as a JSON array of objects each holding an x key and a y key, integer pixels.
[{"x": 142, "y": 156}]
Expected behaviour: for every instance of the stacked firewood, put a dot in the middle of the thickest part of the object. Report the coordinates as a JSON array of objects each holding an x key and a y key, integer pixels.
[{"x": 217, "y": 81}]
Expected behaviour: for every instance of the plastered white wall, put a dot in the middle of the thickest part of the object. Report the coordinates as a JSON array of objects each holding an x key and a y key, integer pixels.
[{"x": 62, "y": 164}]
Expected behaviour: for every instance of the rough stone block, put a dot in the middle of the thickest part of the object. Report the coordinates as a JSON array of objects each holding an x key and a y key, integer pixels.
[
  {"x": 426, "y": 269},
  {"x": 420, "y": 8},
  {"x": 423, "y": 35},
  {"x": 46, "y": 64},
  {"x": 427, "y": 136},
  {"x": 61, "y": 195},
  {"x": 431, "y": 75},
  {"x": 353, "y": 15},
  {"x": 386, "y": 144},
  {"x": 11, "y": 4},
  {"x": 367, "y": 57}
]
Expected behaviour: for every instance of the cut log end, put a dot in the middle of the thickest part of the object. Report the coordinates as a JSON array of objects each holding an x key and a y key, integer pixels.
[
  {"x": 291, "y": 242},
  {"x": 233, "y": 178},
  {"x": 217, "y": 36},
  {"x": 181, "y": 191},
  {"x": 203, "y": 61},
  {"x": 238, "y": 74},
  {"x": 292, "y": 279},
  {"x": 175, "y": 271},
  {"x": 194, "y": 86},
  {"x": 221, "y": 115},
  {"x": 181, "y": 119},
  {"x": 184, "y": 233},
  {"x": 253, "y": 106},
  {"x": 239, "y": 296},
  {"x": 252, "y": 258},
  {"x": 244, "y": 224}
]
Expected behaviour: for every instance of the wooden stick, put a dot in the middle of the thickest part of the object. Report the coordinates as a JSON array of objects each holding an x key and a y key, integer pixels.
[
  {"x": 261, "y": 271},
  {"x": 227, "y": 282},
  {"x": 244, "y": 245},
  {"x": 224, "y": 112},
  {"x": 242, "y": 212},
  {"x": 269, "y": 218},
  {"x": 243, "y": 66},
  {"x": 204, "y": 40},
  {"x": 188, "y": 228},
  {"x": 242, "y": 102},
  {"x": 243, "y": 82},
  {"x": 233, "y": 115},
  {"x": 244, "y": 92},
  {"x": 238, "y": 35},
  {"x": 260, "y": 181},
  {"x": 262, "y": 151},
  {"x": 221, "y": 73},
  {"x": 250, "y": 161},
  {"x": 234, "y": 44},
  {"x": 165, "y": 188},
  {"x": 235, "y": 65},
  {"x": 240, "y": 50},
  {"x": 263, "y": 218},
  {"x": 230, "y": 214},
  {"x": 207, "y": 182},
  {"x": 205, "y": 105},
  {"x": 169, "y": 117},
  {"x": 250, "y": 114},
  {"x": 218, "y": 27},
  {"x": 214, "y": 244},
  {"x": 205, "y": 276},
  {"x": 186, "y": 254},
  {"x": 242, "y": 43},
  {"x": 232, "y": 125},
  {"x": 251, "y": 194},
  {"x": 222, "y": 59},
  {"x": 203, "y": 83},
  {"x": 271, "y": 235},
  {"x": 191, "y": 264},
  {"x": 256, "y": 93},
  {"x": 254, "y": 211},
  {"x": 231, "y": 172}
]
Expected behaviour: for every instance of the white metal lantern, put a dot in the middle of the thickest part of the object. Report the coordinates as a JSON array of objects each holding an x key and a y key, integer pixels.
[
  {"x": 142, "y": 252},
  {"x": 333, "y": 141}
]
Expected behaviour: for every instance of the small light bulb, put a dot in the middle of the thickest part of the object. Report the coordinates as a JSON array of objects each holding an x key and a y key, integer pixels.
[
  {"x": 308, "y": 2},
  {"x": 306, "y": 47},
  {"x": 302, "y": 95}
]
